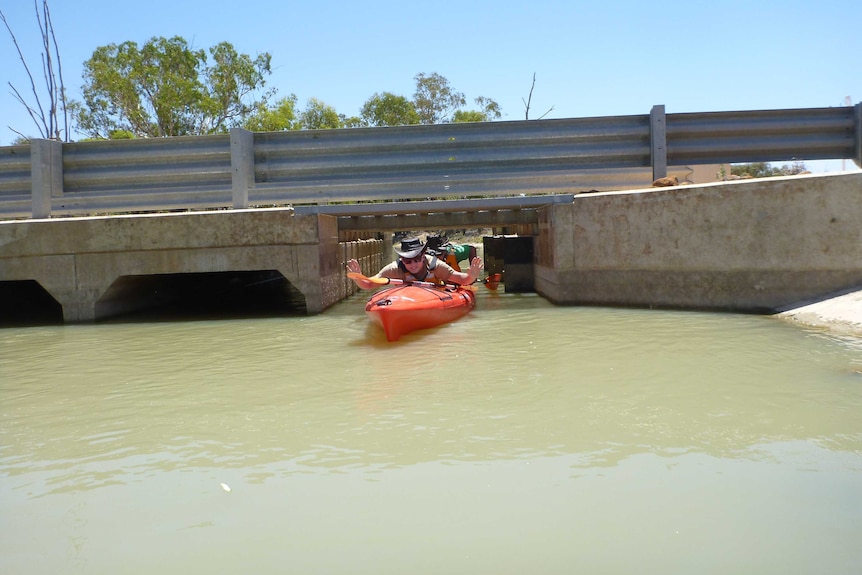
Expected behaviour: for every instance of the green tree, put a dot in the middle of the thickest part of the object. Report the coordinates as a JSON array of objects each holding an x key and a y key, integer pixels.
[
  {"x": 232, "y": 81},
  {"x": 387, "y": 109},
  {"x": 765, "y": 169},
  {"x": 351, "y": 121},
  {"x": 468, "y": 116},
  {"x": 281, "y": 116},
  {"x": 436, "y": 103},
  {"x": 165, "y": 88},
  {"x": 792, "y": 169},
  {"x": 435, "y": 100},
  {"x": 122, "y": 135},
  {"x": 319, "y": 115},
  {"x": 489, "y": 110}
]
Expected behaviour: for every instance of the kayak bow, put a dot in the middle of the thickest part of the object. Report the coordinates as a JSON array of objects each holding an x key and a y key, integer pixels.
[
  {"x": 411, "y": 306},
  {"x": 406, "y": 308}
]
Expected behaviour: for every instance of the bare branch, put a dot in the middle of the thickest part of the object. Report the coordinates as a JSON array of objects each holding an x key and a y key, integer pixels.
[
  {"x": 23, "y": 137},
  {"x": 551, "y": 109},
  {"x": 530, "y": 99},
  {"x": 59, "y": 95},
  {"x": 33, "y": 113},
  {"x": 48, "y": 124},
  {"x": 29, "y": 75}
]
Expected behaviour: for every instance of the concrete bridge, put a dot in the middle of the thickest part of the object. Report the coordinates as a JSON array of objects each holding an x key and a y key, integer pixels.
[{"x": 760, "y": 246}]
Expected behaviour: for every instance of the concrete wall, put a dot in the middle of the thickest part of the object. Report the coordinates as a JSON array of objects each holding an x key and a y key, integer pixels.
[
  {"x": 77, "y": 259},
  {"x": 756, "y": 245},
  {"x": 370, "y": 255}
]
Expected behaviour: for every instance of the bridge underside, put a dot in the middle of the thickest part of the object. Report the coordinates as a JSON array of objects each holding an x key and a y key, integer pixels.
[{"x": 494, "y": 213}]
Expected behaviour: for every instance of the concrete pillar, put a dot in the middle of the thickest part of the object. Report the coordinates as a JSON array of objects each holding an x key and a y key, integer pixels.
[
  {"x": 308, "y": 279},
  {"x": 241, "y": 165},
  {"x": 554, "y": 252},
  {"x": 858, "y": 123},
  {"x": 59, "y": 277},
  {"x": 658, "y": 142},
  {"x": 46, "y": 173},
  {"x": 79, "y": 307}
]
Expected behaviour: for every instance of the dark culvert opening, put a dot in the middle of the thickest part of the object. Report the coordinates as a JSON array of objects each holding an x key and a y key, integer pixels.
[
  {"x": 26, "y": 303},
  {"x": 211, "y": 295}
]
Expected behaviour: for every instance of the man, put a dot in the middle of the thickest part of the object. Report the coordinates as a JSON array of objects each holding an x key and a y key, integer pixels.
[
  {"x": 414, "y": 264},
  {"x": 451, "y": 253}
]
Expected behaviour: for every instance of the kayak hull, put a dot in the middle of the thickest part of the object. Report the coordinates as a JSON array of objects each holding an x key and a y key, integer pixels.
[{"x": 403, "y": 309}]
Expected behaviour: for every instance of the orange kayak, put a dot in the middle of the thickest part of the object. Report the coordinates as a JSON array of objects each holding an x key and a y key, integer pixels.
[{"x": 405, "y": 308}]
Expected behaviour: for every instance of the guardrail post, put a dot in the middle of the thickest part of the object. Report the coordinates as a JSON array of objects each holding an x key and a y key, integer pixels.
[
  {"x": 46, "y": 174},
  {"x": 658, "y": 142},
  {"x": 241, "y": 165},
  {"x": 858, "y": 123}
]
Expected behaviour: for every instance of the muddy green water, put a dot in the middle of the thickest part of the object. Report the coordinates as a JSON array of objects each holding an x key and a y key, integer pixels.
[{"x": 524, "y": 438}]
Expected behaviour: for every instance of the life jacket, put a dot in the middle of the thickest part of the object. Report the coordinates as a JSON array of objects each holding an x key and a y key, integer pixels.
[
  {"x": 450, "y": 253},
  {"x": 427, "y": 268},
  {"x": 452, "y": 260}
]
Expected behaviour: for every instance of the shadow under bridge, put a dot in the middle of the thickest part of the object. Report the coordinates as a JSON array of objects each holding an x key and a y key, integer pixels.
[{"x": 495, "y": 213}]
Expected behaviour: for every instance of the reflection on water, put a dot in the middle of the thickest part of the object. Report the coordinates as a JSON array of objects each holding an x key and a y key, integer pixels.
[{"x": 523, "y": 438}]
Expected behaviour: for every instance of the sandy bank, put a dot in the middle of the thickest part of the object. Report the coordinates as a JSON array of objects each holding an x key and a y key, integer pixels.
[{"x": 842, "y": 314}]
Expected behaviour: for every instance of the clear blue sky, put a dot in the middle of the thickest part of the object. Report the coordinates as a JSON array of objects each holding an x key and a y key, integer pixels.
[{"x": 605, "y": 58}]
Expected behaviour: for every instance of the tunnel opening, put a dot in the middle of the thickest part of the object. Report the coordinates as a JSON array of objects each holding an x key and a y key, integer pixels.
[
  {"x": 200, "y": 296},
  {"x": 26, "y": 303}
]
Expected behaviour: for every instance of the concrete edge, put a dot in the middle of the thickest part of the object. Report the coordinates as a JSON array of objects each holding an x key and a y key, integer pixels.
[{"x": 841, "y": 315}]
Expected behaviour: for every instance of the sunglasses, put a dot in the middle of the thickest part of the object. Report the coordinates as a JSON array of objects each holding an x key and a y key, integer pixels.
[{"x": 417, "y": 259}]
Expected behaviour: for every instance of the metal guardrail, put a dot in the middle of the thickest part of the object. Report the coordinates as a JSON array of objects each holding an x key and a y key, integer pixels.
[
  {"x": 440, "y": 162},
  {"x": 766, "y": 136}
]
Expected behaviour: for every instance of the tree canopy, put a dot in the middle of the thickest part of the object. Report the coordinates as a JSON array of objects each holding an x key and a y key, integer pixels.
[
  {"x": 280, "y": 116},
  {"x": 434, "y": 102},
  {"x": 319, "y": 115},
  {"x": 489, "y": 110},
  {"x": 387, "y": 109},
  {"x": 765, "y": 169},
  {"x": 166, "y": 88}
]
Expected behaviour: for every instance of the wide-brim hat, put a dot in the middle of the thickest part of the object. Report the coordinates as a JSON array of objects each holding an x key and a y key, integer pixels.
[{"x": 410, "y": 248}]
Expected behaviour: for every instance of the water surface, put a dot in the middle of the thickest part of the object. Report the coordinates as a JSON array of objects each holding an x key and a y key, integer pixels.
[{"x": 524, "y": 438}]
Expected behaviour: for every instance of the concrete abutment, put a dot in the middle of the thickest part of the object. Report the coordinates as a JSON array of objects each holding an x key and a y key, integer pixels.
[
  {"x": 77, "y": 260},
  {"x": 760, "y": 246}
]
